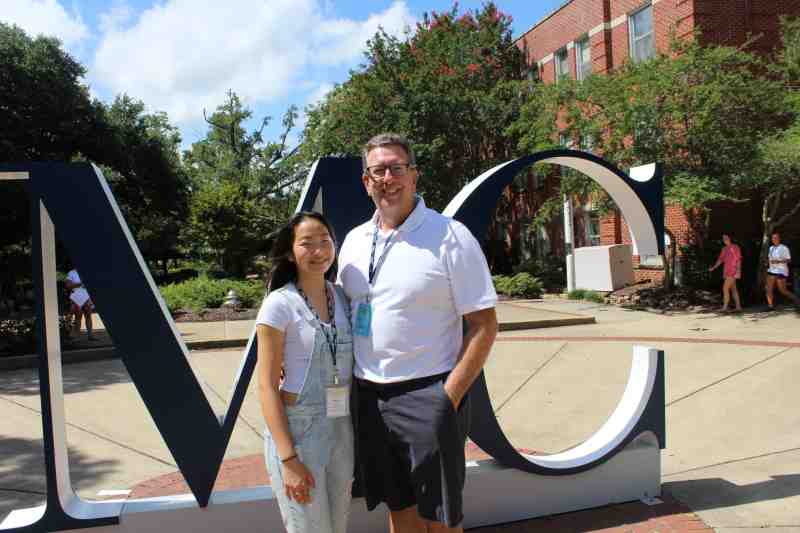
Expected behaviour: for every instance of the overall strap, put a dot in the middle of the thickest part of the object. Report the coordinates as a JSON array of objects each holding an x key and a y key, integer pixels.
[{"x": 345, "y": 303}]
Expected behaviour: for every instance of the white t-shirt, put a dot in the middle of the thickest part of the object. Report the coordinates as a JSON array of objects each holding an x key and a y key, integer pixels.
[
  {"x": 285, "y": 310},
  {"x": 779, "y": 252},
  {"x": 78, "y": 295},
  {"x": 434, "y": 272}
]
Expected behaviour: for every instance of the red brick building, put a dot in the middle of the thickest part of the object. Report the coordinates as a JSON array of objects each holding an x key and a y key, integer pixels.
[{"x": 597, "y": 36}]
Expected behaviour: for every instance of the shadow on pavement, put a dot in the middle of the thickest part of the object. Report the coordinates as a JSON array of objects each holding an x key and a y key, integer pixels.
[
  {"x": 716, "y": 493},
  {"x": 671, "y": 515},
  {"x": 22, "y": 478},
  {"x": 77, "y": 377}
]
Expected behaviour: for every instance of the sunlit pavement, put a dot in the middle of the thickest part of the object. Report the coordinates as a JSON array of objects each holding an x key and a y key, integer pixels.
[{"x": 733, "y": 426}]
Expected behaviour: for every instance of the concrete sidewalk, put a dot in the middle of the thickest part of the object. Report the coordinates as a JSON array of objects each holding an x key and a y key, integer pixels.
[
  {"x": 512, "y": 316},
  {"x": 733, "y": 426}
]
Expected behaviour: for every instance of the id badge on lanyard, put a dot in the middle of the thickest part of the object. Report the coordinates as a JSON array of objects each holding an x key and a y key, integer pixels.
[
  {"x": 362, "y": 326},
  {"x": 337, "y": 400},
  {"x": 363, "y": 321}
]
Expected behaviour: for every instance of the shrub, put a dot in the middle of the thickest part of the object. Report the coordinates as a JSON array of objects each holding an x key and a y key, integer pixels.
[
  {"x": 18, "y": 336},
  {"x": 551, "y": 271},
  {"x": 596, "y": 297},
  {"x": 586, "y": 294},
  {"x": 501, "y": 284},
  {"x": 576, "y": 294},
  {"x": 522, "y": 285},
  {"x": 206, "y": 293}
]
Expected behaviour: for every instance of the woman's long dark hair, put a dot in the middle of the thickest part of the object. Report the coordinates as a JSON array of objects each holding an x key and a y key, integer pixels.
[{"x": 284, "y": 270}]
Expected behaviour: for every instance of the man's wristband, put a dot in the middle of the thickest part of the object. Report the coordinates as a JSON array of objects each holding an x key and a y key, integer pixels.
[{"x": 289, "y": 458}]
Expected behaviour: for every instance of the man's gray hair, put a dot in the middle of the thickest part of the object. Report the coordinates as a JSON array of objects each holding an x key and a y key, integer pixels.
[{"x": 388, "y": 139}]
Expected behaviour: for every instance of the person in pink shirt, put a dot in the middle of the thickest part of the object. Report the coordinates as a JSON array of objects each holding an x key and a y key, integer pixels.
[{"x": 731, "y": 258}]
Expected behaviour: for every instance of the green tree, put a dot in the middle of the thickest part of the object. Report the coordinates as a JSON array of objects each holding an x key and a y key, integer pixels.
[
  {"x": 243, "y": 187},
  {"x": 452, "y": 87},
  {"x": 46, "y": 113},
  {"x": 143, "y": 167},
  {"x": 702, "y": 111},
  {"x": 779, "y": 178}
]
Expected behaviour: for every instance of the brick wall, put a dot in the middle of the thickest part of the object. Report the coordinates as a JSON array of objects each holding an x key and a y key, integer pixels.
[{"x": 726, "y": 22}]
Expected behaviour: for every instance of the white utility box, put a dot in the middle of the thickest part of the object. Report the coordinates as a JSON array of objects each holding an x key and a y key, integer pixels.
[{"x": 603, "y": 268}]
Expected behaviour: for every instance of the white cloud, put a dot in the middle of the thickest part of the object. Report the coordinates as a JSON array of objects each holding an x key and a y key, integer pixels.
[
  {"x": 319, "y": 93},
  {"x": 181, "y": 56},
  {"x": 115, "y": 18},
  {"x": 45, "y": 17},
  {"x": 342, "y": 40}
]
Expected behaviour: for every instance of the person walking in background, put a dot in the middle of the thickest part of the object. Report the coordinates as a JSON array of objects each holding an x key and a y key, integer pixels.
[
  {"x": 81, "y": 304},
  {"x": 778, "y": 271},
  {"x": 731, "y": 258},
  {"x": 305, "y": 365}
]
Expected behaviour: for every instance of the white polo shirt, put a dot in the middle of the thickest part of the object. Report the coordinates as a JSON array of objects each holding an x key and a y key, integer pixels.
[{"x": 434, "y": 272}]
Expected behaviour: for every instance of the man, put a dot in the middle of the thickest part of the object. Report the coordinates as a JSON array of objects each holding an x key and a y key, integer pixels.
[{"x": 412, "y": 274}]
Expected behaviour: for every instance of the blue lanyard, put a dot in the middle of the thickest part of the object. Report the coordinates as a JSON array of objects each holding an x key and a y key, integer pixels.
[
  {"x": 331, "y": 337},
  {"x": 373, "y": 268}
]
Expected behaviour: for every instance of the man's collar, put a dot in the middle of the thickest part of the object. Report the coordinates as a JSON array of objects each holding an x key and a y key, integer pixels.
[{"x": 411, "y": 223}]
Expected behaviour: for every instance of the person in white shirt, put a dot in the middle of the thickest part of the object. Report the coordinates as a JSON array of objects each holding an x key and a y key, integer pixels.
[
  {"x": 778, "y": 271},
  {"x": 305, "y": 367},
  {"x": 413, "y": 277},
  {"x": 81, "y": 304}
]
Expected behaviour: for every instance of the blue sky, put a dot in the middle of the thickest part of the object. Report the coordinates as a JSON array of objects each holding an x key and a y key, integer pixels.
[{"x": 181, "y": 56}]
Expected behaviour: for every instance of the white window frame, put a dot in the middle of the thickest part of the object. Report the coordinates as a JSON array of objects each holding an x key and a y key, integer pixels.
[
  {"x": 581, "y": 45},
  {"x": 632, "y": 27},
  {"x": 589, "y": 213},
  {"x": 556, "y": 59}
]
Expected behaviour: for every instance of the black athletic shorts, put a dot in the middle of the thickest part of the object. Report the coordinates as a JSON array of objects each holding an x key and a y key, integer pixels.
[
  {"x": 779, "y": 276},
  {"x": 410, "y": 447}
]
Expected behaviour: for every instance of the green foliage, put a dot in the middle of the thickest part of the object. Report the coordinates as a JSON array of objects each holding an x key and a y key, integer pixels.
[
  {"x": 206, "y": 293},
  {"x": 551, "y": 270},
  {"x": 695, "y": 261},
  {"x": 243, "y": 188},
  {"x": 18, "y": 336},
  {"x": 451, "y": 87},
  {"x": 46, "y": 113},
  {"x": 576, "y": 294},
  {"x": 521, "y": 285},
  {"x": 501, "y": 283},
  {"x": 595, "y": 297},
  {"x": 700, "y": 110},
  {"x": 586, "y": 294}
]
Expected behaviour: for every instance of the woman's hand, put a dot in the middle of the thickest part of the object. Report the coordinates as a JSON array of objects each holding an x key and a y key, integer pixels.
[{"x": 297, "y": 480}]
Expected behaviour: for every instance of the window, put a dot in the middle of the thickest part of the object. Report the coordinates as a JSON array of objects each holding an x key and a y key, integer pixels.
[
  {"x": 583, "y": 58},
  {"x": 533, "y": 73},
  {"x": 592, "y": 224},
  {"x": 587, "y": 142},
  {"x": 640, "y": 26},
  {"x": 542, "y": 243},
  {"x": 562, "y": 64}
]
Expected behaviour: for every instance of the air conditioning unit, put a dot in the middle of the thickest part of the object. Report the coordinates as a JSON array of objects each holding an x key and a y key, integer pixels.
[{"x": 604, "y": 268}]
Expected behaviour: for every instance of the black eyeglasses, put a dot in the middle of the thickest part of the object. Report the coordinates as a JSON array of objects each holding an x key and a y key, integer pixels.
[{"x": 378, "y": 172}]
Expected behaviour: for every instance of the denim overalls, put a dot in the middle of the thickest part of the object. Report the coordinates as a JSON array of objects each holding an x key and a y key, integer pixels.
[{"x": 324, "y": 445}]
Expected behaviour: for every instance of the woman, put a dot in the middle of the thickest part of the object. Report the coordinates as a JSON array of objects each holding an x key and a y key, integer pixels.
[
  {"x": 731, "y": 257},
  {"x": 305, "y": 361},
  {"x": 81, "y": 304},
  {"x": 779, "y": 258}
]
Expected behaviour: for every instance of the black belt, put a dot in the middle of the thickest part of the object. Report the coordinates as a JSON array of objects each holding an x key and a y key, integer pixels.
[{"x": 402, "y": 386}]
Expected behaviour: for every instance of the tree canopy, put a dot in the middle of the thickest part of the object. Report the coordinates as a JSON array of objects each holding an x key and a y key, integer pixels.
[
  {"x": 450, "y": 87},
  {"x": 699, "y": 110},
  {"x": 47, "y": 114},
  {"x": 242, "y": 186}
]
